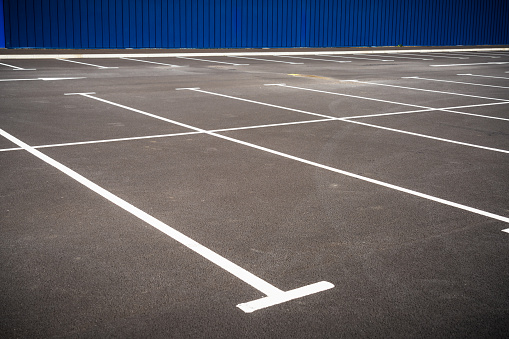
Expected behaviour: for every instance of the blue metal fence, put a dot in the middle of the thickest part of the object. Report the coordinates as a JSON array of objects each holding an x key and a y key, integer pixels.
[{"x": 253, "y": 23}]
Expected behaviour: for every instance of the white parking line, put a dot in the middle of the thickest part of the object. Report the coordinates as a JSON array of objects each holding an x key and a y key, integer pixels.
[
  {"x": 392, "y": 102},
  {"x": 213, "y": 61},
  {"x": 402, "y": 57},
  {"x": 274, "y": 294},
  {"x": 356, "y": 122},
  {"x": 484, "y": 76},
  {"x": 268, "y": 60},
  {"x": 358, "y": 58},
  {"x": 455, "y": 82},
  {"x": 83, "y": 63},
  {"x": 149, "y": 62},
  {"x": 16, "y": 68},
  {"x": 433, "y": 91},
  {"x": 78, "y": 143},
  {"x": 476, "y": 55},
  {"x": 306, "y": 58},
  {"x": 439, "y": 55},
  {"x": 318, "y": 165},
  {"x": 42, "y": 79},
  {"x": 473, "y": 64}
]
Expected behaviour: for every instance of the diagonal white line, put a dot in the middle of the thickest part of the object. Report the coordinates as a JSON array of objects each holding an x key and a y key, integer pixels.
[
  {"x": 149, "y": 62},
  {"x": 213, "y": 61},
  {"x": 325, "y": 167},
  {"x": 485, "y": 76},
  {"x": 83, "y": 63},
  {"x": 268, "y": 60},
  {"x": 455, "y": 82}
]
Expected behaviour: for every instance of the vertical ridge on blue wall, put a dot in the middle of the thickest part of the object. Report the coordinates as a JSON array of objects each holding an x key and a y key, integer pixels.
[{"x": 251, "y": 23}]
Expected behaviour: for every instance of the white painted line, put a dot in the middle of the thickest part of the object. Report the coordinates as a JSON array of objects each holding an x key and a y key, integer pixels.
[
  {"x": 83, "y": 63},
  {"x": 427, "y": 90},
  {"x": 213, "y": 61},
  {"x": 476, "y": 55},
  {"x": 364, "y": 124},
  {"x": 79, "y": 93},
  {"x": 484, "y": 76},
  {"x": 16, "y": 68},
  {"x": 410, "y": 58},
  {"x": 455, "y": 82},
  {"x": 506, "y": 230},
  {"x": 438, "y": 55},
  {"x": 474, "y": 64},
  {"x": 284, "y": 297},
  {"x": 268, "y": 60},
  {"x": 42, "y": 79},
  {"x": 77, "y": 143},
  {"x": 305, "y": 58},
  {"x": 150, "y": 62},
  {"x": 429, "y": 137},
  {"x": 184, "y": 88},
  {"x": 358, "y": 58},
  {"x": 250, "y": 53},
  {"x": 259, "y": 103},
  {"x": 275, "y": 295},
  {"x": 328, "y": 168}
]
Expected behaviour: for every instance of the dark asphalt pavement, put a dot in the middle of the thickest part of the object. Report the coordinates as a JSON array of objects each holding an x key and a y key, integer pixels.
[{"x": 419, "y": 251}]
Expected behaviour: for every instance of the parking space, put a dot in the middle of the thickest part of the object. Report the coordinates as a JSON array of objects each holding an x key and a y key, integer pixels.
[{"x": 360, "y": 198}]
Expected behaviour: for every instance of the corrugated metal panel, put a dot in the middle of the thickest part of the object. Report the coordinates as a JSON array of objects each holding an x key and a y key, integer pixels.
[
  {"x": 2, "y": 33},
  {"x": 253, "y": 23}
]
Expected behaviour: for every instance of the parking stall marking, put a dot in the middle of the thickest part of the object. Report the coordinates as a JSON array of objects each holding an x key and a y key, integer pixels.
[
  {"x": 306, "y": 58},
  {"x": 472, "y": 64},
  {"x": 484, "y": 76},
  {"x": 315, "y": 164},
  {"x": 267, "y": 60},
  {"x": 358, "y": 58},
  {"x": 273, "y": 294},
  {"x": 213, "y": 61},
  {"x": 42, "y": 79},
  {"x": 150, "y": 62},
  {"x": 346, "y": 119},
  {"x": 393, "y": 102},
  {"x": 455, "y": 82},
  {"x": 16, "y": 68},
  {"x": 84, "y": 63}
]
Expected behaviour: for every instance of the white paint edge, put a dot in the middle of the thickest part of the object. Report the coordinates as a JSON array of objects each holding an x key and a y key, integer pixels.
[
  {"x": 214, "y": 54},
  {"x": 275, "y": 294},
  {"x": 456, "y": 82},
  {"x": 259, "y": 304},
  {"x": 318, "y": 165}
]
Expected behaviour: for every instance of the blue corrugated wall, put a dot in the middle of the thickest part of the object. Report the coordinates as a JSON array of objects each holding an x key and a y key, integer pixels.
[{"x": 253, "y": 23}]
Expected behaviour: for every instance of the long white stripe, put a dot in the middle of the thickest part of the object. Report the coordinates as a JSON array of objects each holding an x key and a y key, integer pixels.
[
  {"x": 430, "y": 137},
  {"x": 222, "y": 262},
  {"x": 427, "y": 90},
  {"x": 306, "y": 58},
  {"x": 83, "y": 63},
  {"x": 476, "y": 55},
  {"x": 325, "y": 167},
  {"x": 484, "y": 76},
  {"x": 17, "y": 68},
  {"x": 392, "y": 102},
  {"x": 436, "y": 55},
  {"x": 77, "y": 143},
  {"x": 363, "y": 51},
  {"x": 473, "y": 64},
  {"x": 357, "y": 58},
  {"x": 150, "y": 62},
  {"x": 362, "y": 123},
  {"x": 455, "y": 82},
  {"x": 268, "y": 60},
  {"x": 213, "y": 61}
]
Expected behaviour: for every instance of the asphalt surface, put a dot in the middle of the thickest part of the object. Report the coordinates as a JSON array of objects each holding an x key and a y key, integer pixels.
[{"x": 405, "y": 214}]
